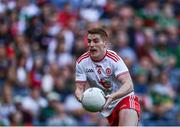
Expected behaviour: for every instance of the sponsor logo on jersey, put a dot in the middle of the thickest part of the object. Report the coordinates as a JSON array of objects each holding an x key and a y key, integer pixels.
[
  {"x": 89, "y": 70},
  {"x": 106, "y": 83}
]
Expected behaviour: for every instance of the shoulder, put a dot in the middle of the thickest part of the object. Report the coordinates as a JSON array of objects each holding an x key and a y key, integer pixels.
[
  {"x": 83, "y": 57},
  {"x": 113, "y": 56}
]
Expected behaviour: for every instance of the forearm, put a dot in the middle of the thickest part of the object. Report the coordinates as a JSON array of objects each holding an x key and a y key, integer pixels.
[
  {"x": 124, "y": 90},
  {"x": 126, "y": 87},
  {"x": 79, "y": 91},
  {"x": 78, "y": 94}
]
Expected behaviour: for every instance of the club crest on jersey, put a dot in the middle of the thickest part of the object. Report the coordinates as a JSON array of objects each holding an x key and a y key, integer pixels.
[
  {"x": 108, "y": 71},
  {"x": 88, "y": 70}
]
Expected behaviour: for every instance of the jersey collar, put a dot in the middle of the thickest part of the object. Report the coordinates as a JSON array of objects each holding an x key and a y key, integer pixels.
[{"x": 99, "y": 59}]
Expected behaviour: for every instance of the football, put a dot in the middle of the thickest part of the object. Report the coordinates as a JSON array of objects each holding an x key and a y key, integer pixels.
[{"x": 93, "y": 99}]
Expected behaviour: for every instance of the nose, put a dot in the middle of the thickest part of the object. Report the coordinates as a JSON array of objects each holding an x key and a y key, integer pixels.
[{"x": 91, "y": 44}]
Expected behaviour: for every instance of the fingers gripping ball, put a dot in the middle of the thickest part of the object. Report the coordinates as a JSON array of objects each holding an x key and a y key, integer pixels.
[{"x": 93, "y": 99}]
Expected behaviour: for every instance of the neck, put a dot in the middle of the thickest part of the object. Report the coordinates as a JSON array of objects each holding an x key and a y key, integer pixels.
[
  {"x": 100, "y": 57},
  {"x": 103, "y": 54}
]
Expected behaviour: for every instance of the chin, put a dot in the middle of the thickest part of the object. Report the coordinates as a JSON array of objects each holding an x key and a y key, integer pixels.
[{"x": 94, "y": 56}]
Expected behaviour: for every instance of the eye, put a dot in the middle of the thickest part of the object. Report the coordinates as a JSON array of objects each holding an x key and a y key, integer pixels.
[
  {"x": 95, "y": 40},
  {"x": 89, "y": 40}
]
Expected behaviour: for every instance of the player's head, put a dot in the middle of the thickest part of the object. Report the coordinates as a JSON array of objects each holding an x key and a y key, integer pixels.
[{"x": 97, "y": 42}]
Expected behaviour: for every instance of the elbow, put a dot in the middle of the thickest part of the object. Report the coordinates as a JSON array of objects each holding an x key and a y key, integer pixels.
[{"x": 131, "y": 87}]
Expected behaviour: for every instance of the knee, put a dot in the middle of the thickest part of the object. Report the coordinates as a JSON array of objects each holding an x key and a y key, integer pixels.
[{"x": 128, "y": 117}]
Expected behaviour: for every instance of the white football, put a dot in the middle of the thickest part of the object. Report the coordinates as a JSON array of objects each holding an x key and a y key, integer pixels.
[{"x": 93, "y": 99}]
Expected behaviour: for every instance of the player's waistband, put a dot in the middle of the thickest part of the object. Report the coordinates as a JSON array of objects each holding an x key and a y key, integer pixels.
[
  {"x": 119, "y": 99},
  {"x": 128, "y": 94}
]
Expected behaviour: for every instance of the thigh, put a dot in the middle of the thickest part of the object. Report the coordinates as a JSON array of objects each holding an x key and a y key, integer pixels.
[{"x": 128, "y": 117}]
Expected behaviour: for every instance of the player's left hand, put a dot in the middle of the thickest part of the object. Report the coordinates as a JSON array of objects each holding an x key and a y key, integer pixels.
[{"x": 109, "y": 99}]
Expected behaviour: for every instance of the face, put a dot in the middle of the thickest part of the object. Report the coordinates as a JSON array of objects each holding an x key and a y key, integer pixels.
[{"x": 97, "y": 46}]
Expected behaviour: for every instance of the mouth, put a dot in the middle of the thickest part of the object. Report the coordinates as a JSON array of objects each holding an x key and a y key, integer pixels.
[{"x": 93, "y": 50}]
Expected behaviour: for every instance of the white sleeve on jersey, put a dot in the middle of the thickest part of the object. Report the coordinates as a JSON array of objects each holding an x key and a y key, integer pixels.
[
  {"x": 80, "y": 73},
  {"x": 120, "y": 68}
]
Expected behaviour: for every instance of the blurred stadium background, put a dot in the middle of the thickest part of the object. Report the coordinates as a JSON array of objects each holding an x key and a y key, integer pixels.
[{"x": 40, "y": 41}]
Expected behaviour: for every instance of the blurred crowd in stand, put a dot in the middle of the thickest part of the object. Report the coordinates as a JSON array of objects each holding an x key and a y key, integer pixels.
[{"x": 40, "y": 41}]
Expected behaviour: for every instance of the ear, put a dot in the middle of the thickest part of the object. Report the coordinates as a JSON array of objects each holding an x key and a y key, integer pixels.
[{"x": 105, "y": 43}]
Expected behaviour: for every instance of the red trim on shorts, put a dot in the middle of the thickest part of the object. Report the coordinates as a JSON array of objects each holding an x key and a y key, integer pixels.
[{"x": 129, "y": 102}]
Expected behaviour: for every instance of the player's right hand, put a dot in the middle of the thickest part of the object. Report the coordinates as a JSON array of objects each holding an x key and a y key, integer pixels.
[
  {"x": 109, "y": 99},
  {"x": 80, "y": 99}
]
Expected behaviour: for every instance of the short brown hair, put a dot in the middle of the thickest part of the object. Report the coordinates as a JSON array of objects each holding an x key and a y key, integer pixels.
[{"x": 99, "y": 31}]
